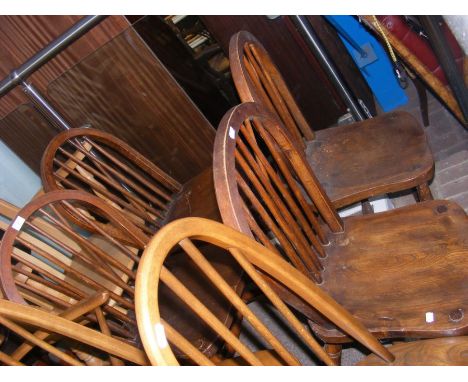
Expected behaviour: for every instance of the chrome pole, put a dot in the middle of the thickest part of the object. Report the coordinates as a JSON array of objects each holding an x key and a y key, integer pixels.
[
  {"x": 48, "y": 52},
  {"x": 315, "y": 45},
  {"x": 44, "y": 106}
]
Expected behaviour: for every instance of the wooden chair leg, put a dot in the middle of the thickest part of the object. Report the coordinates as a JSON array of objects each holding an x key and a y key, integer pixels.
[
  {"x": 334, "y": 351},
  {"x": 424, "y": 192},
  {"x": 423, "y": 105},
  {"x": 367, "y": 208}
]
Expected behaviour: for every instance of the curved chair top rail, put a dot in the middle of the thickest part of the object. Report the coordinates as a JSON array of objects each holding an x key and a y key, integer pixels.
[
  {"x": 46, "y": 261},
  {"x": 156, "y": 334},
  {"x": 257, "y": 79},
  {"x": 101, "y": 164},
  {"x": 265, "y": 185},
  {"x": 19, "y": 319}
]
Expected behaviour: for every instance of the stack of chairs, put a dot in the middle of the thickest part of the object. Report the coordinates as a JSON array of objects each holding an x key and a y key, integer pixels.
[{"x": 117, "y": 263}]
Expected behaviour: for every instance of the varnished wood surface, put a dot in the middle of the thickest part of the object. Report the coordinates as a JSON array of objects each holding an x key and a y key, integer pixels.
[
  {"x": 66, "y": 328},
  {"x": 353, "y": 162},
  {"x": 156, "y": 333},
  {"x": 86, "y": 277},
  {"x": 27, "y": 133},
  {"x": 124, "y": 89},
  {"x": 303, "y": 75},
  {"x": 23, "y": 36},
  {"x": 384, "y": 154},
  {"x": 101, "y": 164},
  {"x": 196, "y": 198},
  {"x": 89, "y": 265},
  {"x": 391, "y": 268},
  {"x": 257, "y": 79},
  {"x": 435, "y": 352},
  {"x": 388, "y": 269}
]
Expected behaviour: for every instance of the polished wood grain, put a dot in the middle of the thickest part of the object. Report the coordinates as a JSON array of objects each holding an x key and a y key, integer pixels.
[
  {"x": 38, "y": 337},
  {"x": 16, "y": 315},
  {"x": 99, "y": 163},
  {"x": 124, "y": 89},
  {"x": 97, "y": 262},
  {"x": 23, "y": 36},
  {"x": 258, "y": 80},
  {"x": 251, "y": 256},
  {"x": 388, "y": 153},
  {"x": 48, "y": 263},
  {"x": 27, "y": 133},
  {"x": 389, "y": 269},
  {"x": 308, "y": 82},
  {"x": 434, "y": 352},
  {"x": 196, "y": 198}
]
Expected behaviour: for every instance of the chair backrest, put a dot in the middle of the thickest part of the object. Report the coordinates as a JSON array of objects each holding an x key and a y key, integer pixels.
[
  {"x": 257, "y": 79},
  {"x": 62, "y": 338},
  {"x": 103, "y": 165},
  {"x": 48, "y": 262},
  {"x": 266, "y": 189},
  {"x": 187, "y": 235}
]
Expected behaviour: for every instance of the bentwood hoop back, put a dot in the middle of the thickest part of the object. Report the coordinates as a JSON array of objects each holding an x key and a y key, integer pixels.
[
  {"x": 258, "y": 80},
  {"x": 387, "y": 153},
  {"x": 266, "y": 189},
  {"x": 189, "y": 234},
  {"x": 47, "y": 262},
  {"x": 101, "y": 164}
]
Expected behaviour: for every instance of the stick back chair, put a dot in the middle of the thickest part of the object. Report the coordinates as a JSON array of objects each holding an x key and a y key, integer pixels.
[
  {"x": 159, "y": 338},
  {"x": 60, "y": 337},
  {"x": 101, "y": 164},
  {"x": 47, "y": 262},
  {"x": 388, "y": 153},
  {"x": 402, "y": 272}
]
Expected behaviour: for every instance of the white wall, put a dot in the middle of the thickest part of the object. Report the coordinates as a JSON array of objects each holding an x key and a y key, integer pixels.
[{"x": 18, "y": 183}]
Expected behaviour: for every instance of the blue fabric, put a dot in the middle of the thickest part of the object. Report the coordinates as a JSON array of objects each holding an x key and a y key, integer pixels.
[{"x": 379, "y": 72}]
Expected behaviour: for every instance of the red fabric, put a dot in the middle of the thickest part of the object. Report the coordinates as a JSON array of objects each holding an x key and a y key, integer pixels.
[{"x": 420, "y": 47}]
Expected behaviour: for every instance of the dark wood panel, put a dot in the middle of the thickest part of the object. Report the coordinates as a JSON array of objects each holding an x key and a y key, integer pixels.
[
  {"x": 311, "y": 88},
  {"x": 27, "y": 133},
  {"x": 173, "y": 52},
  {"x": 124, "y": 89},
  {"x": 22, "y": 36}
]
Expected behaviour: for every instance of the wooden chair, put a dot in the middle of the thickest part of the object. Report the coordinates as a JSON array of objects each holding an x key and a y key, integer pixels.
[
  {"x": 96, "y": 162},
  {"x": 101, "y": 164},
  {"x": 47, "y": 261},
  {"x": 189, "y": 235},
  {"x": 388, "y": 153},
  {"x": 403, "y": 272},
  {"x": 62, "y": 338}
]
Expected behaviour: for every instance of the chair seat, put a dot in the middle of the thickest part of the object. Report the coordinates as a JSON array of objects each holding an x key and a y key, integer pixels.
[
  {"x": 403, "y": 270},
  {"x": 449, "y": 351},
  {"x": 384, "y": 154}
]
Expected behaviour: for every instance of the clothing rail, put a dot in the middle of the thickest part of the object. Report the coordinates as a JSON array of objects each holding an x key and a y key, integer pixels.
[
  {"x": 315, "y": 45},
  {"x": 48, "y": 52}
]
